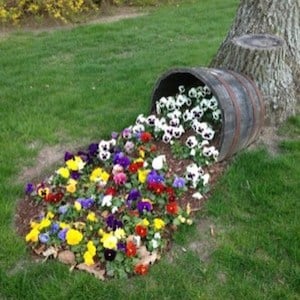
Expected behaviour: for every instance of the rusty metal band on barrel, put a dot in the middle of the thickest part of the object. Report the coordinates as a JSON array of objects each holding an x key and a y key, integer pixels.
[
  {"x": 238, "y": 116},
  {"x": 244, "y": 81}
]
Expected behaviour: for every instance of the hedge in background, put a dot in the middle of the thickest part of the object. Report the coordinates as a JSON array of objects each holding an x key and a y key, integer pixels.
[{"x": 63, "y": 10}]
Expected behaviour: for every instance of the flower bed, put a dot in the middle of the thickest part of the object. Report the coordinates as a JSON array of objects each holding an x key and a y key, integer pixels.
[{"x": 111, "y": 210}]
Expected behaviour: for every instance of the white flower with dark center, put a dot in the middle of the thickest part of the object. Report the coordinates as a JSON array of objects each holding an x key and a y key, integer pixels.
[
  {"x": 174, "y": 122},
  {"x": 213, "y": 103},
  {"x": 208, "y": 151},
  {"x": 104, "y": 155},
  {"x": 206, "y": 90},
  {"x": 180, "y": 100},
  {"x": 104, "y": 145},
  {"x": 162, "y": 102},
  {"x": 217, "y": 114},
  {"x": 140, "y": 119},
  {"x": 208, "y": 133},
  {"x": 191, "y": 141},
  {"x": 187, "y": 116},
  {"x": 204, "y": 104},
  {"x": 174, "y": 114},
  {"x": 199, "y": 127},
  {"x": 192, "y": 93},
  {"x": 151, "y": 120},
  {"x": 170, "y": 105},
  {"x": 138, "y": 128},
  {"x": 200, "y": 93},
  {"x": 197, "y": 112},
  {"x": 181, "y": 89},
  {"x": 166, "y": 138},
  {"x": 178, "y": 131}
]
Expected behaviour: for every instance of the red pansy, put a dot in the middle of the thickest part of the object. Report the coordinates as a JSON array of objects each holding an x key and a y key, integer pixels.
[
  {"x": 146, "y": 137},
  {"x": 172, "y": 208},
  {"x": 141, "y": 230},
  {"x": 130, "y": 249},
  {"x": 141, "y": 269}
]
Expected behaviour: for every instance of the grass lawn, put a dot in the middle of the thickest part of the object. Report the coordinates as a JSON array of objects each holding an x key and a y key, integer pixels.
[{"x": 68, "y": 88}]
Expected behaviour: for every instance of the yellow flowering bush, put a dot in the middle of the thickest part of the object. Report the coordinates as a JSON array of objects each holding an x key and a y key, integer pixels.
[{"x": 63, "y": 10}]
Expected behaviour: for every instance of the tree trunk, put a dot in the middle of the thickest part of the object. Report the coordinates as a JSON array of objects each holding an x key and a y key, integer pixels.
[{"x": 274, "y": 17}]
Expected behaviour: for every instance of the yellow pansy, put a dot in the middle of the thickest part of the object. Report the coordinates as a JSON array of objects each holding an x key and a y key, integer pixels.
[
  {"x": 88, "y": 258},
  {"x": 92, "y": 217},
  {"x": 145, "y": 222},
  {"x": 71, "y": 186},
  {"x": 50, "y": 215},
  {"x": 142, "y": 153},
  {"x": 64, "y": 225},
  {"x": 158, "y": 223},
  {"x": 33, "y": 235},
  {"x": 138, "y": 160},
  {"x": 75, "y": 163},
  {"x": 99, "y": 174},
  {"x": 63, "y": 172},
  {"x": 77, "y": 206},
  {"x": 120, "y": 233},
  {"x": 34, "y": 224},
  {"x": 73, "y": 237},
  {"x": 142, "y": 175},
  {"x": 44, "y": 224},
  {"x": 109, "y": 241},
  {"x": 91, "y": 248}
]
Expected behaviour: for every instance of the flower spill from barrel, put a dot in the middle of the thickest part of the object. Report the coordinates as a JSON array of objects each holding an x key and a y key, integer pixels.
[{"x": 111, "y": 210}]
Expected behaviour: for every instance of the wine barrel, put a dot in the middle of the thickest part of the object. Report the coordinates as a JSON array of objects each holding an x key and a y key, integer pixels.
[{"x": 239, "y": 99}]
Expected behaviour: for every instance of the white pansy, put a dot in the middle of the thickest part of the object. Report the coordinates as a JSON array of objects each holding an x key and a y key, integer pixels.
[
  {"x": 151, "y": 120},
  {"x": 114, "y": 209},
  {"x": 154, "y": 243},
  {"x": 208, "y": 133},
  {"x": 166, "y": 138},
  {"x": 106, "y": 201},
  {"x": 191, "y": 141},
  {"x": 203, "y": 143},
  {"x": 174, "y": 122},
  {"x": 192, "y": 93},
  {"x": 181, "y": 89},
  {"x": 157, "y": 236},
  {"x": 213, "y": 103},
  {"x": 204, "y": 104},
  {"x": 104, "y": 155},
  {"x": 205, "y": 178},
  {"x": 158, "y": 162},
  {"x": 104, "y": 145},
  {"x": 178, "y": 131},
  {"x": 174, "y": 114},
  {"x": 216, "y": 114},
  {"x": 197, "y": 112},
  {"x": 197, "y": 196},
  {"x": 140, "y": 119},
  {"x": 138, "y": 128},
  {"x": 187, "y": 116},
  {"x": 171, "y": 104},
  {"x": 206, "y": 90},
  {"x": 181, "y": 100},
  {"x": 162, "y": 102}
]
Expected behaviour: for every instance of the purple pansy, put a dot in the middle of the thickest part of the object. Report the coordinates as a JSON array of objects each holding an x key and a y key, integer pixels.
[
  {"x": 121, "y": 159},
  {"x": 62, "y": 234},
  {"x": 75, "y": 175},
  {"x": 68, "y": 156},
  {"x": 63, "y": 209},
  {"x": 54, "y": 228},
  {"x": 44, "y": 238},
  {"x": 144, "y": 206},
  {"x": 29, "y": 188},
  {"x": 93, "y": 149},
  {"x": 113, "y": 222},
  {"x": 154, "y": 176},
  {"x": 86, "y": 203},
  {"x": 179, "y": 182}
]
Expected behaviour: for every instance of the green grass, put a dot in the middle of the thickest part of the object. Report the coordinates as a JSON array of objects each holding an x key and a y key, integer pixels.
[{"x": 72, "y": 87}]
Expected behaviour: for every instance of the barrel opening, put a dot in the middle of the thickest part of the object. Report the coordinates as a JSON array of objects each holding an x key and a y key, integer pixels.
[{"x": 169, "y": 84}]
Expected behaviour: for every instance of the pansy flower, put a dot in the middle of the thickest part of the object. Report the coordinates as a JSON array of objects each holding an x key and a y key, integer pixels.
[
  {"x": 144, "y": 205},
  {"x": 141, "y": 230},
  {"x": 131, "y": 249},
  {"x": 141, "y": 269}
]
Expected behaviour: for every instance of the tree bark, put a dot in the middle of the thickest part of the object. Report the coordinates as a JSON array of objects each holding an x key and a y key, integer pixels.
[{"x": 274, "y": 17}]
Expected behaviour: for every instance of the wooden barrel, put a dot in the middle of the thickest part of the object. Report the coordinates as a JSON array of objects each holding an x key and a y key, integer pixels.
[{"x": 239, "y": 99}]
